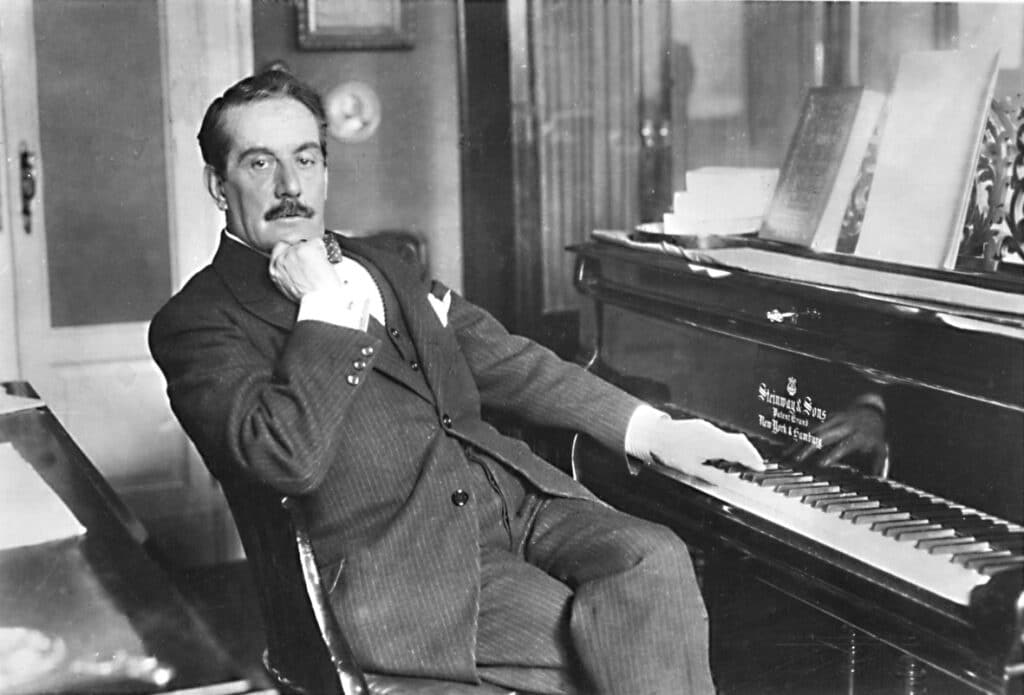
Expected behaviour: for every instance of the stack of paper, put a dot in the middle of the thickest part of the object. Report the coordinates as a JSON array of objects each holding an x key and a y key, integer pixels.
[
  {"x": 30, "y": 511},
  {"x": 721, "y": 200}
]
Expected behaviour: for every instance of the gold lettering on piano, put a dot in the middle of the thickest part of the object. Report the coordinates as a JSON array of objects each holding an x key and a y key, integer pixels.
[{"x": 790, "y": 415}]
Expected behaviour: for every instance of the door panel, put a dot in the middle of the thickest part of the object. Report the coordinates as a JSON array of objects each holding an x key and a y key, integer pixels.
[
  {"x": 102, "y": 143},
  {"x": 107, "y": 95}
]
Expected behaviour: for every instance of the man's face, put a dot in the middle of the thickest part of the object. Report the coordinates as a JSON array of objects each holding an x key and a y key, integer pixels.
[{"x": 275, "y": 178}]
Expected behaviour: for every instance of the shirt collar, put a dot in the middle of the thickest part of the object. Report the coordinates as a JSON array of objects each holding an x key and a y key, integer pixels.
[{"x": 231, "y": 236}]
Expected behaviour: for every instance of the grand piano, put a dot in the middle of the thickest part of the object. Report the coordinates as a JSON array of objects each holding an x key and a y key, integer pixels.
[{"x": 927, "y": 558}]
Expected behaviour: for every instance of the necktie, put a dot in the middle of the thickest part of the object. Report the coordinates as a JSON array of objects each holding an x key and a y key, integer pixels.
[{"x": 334, "y": 254}]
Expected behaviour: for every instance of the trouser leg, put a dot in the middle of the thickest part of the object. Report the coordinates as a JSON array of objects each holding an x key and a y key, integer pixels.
[
  {"x": 579, "y": 598},
  {"x": 523, "y": 630},
  {"x": 638, "y": 622}
]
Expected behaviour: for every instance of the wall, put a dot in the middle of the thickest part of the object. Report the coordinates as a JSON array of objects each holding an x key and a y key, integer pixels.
[{"x": 407, "y": 175}]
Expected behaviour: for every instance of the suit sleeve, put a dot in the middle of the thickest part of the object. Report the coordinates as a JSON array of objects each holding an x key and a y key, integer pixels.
[
  {"x": 273, "y": 417},
  {"x": 518, "y": 376}
]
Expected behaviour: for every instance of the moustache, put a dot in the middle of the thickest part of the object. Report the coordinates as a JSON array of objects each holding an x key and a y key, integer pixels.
[{"x": 288, "y": 208}]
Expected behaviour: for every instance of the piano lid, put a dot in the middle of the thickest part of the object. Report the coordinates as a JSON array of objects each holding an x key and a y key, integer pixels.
[{"x": 995, "y": 296}]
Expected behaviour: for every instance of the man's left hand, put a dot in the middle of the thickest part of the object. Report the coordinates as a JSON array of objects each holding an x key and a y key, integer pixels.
[{"x": 856, "y": 430}]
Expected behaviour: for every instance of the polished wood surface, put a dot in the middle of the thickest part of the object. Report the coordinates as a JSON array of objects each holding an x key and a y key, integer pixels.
[{"x": 122, "y": 625}]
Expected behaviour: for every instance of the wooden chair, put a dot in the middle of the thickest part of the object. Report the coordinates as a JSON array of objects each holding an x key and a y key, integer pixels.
[
  {"x": 408, "y": 245},
  {"x": 307, "y": 654}
]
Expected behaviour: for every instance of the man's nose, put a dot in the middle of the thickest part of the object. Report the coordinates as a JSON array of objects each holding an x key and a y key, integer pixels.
[{"x": 287, "y": 184}]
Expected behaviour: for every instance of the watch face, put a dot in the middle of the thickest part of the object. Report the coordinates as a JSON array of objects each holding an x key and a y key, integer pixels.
[{"x": 353, "y": 111}]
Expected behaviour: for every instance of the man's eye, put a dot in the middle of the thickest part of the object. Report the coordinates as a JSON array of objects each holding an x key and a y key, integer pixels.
[
  {"x": 259, "y": 163},
  {"x": 306, "y": 160}
]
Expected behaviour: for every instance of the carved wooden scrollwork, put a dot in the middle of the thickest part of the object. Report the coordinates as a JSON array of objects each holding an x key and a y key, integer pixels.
[
  {"x": 1015, "y": 215},
  {"x": 994, "y": 227}
]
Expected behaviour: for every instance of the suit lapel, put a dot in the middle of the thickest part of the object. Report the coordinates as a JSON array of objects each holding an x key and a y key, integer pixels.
[{"x": 244, "y": 271}]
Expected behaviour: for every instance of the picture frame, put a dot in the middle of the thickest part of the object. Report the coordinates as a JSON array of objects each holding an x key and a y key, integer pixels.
[{"x": 354, "y": 25}]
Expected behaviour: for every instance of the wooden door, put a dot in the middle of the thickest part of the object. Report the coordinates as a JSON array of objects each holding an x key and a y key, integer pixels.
[{"x": 101, "y": 103}]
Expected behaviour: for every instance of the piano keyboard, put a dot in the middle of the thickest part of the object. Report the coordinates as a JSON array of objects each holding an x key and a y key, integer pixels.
[{"x": 942, "y": 547}]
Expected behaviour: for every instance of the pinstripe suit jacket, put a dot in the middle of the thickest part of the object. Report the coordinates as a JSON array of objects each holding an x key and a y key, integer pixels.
[{"x": 373, "y": 454}]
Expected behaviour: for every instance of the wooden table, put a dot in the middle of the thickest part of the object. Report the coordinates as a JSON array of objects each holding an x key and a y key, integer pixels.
[{"x": 118, "y": 623}]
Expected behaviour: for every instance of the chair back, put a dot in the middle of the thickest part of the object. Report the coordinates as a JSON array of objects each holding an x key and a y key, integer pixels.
[{"x": 306, "y": 652}]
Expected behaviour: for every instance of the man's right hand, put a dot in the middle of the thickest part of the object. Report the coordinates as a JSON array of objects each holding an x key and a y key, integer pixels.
[
  {"x": 686, "y": 444},
  {"x": 298, "y": 269}
]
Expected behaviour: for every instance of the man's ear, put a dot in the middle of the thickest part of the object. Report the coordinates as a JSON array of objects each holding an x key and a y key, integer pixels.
[{"x": 215, "y": 187}]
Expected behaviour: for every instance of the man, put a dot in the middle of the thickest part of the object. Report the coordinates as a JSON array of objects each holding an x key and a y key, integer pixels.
[{"x": 450, "y": 551}]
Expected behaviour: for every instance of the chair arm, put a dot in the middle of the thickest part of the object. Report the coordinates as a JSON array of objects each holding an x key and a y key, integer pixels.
[{"x": 350, "y": 675}]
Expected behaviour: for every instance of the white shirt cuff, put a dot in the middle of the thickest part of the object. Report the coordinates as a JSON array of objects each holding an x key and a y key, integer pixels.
[
  {"x": 638, "y": 433},
  {"x": 332, "y": 306}
]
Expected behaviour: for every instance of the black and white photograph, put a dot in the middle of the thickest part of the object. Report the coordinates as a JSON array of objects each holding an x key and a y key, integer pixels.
[{"x": 511, "y": 347}]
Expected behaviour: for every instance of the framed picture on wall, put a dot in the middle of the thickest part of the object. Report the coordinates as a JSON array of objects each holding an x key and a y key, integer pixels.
[{"x": 338, "y": 25}]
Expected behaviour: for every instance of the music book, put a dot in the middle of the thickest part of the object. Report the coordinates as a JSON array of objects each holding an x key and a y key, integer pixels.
[
  {"x": 821, "y": 167},
  {"x": 927, "y": 157}
]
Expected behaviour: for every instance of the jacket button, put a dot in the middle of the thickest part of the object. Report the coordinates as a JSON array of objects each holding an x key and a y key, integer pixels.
[
  {"x": 367, "y": 350},
  {"x": 460, "y": 497},
  {"x": 359, "y": 364},
  {"x": 394, "y": 333},
  {"x": 446, "y": 421},
  {"x": 414, "y": 365},
  {"x": 352, "y": 379}
]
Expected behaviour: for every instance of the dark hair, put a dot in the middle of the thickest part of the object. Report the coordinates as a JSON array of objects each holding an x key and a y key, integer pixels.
[{"x": 269, "y": 84}]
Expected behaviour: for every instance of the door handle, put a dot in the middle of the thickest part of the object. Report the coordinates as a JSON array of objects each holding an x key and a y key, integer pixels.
[{"x": 27, "y": 160}]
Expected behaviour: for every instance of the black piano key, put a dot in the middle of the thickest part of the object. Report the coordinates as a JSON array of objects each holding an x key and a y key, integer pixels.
[
  {"x": 929, "y": 543},
  {"x": 887, "y": 528},
  {"x": 856, "y": 515},
  {"x": 995, "y": 532},
  {"x": 972, "y": 560},
  {"x": 839, "y": 477},
  {"x": 914, "y": 533},
  {"x": 793, "y": 478},
  {"x": 1013, "y": 542},
  {"x": 955, "y": 545},
  {"x": 996, "y": 565},
  {"x": 759, "y": 476},
  {"x": 873, "y": 516},
  {"x": 937, "y": 513},
  {"x": 818, "y": 501},
  {"x": 840, "y": 506},
  {"x": 945, "y": 516},
  {"x": 969, "y": 527},
  {"x": 885, "y": 494},
  {"x": 801, "y": 489}
]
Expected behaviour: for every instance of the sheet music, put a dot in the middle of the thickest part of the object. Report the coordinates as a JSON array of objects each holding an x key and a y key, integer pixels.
[{"x": 30, "y": 511}]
